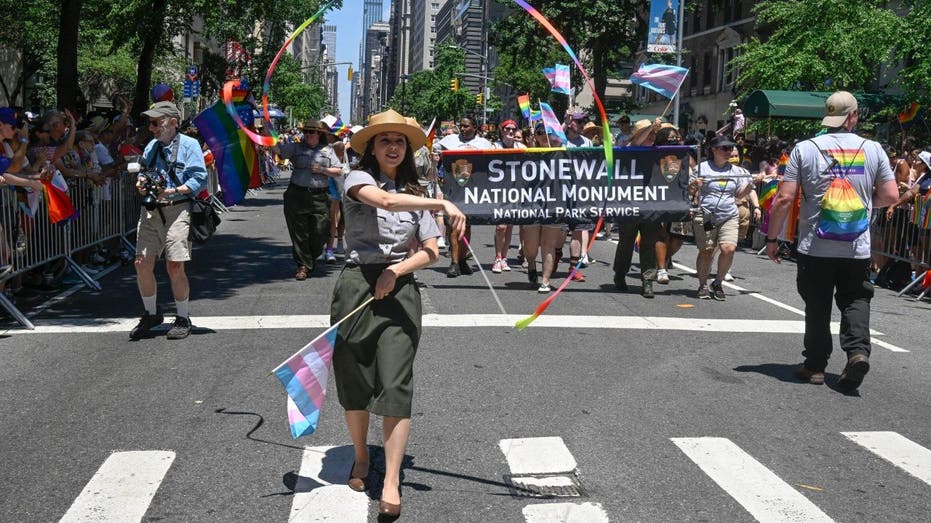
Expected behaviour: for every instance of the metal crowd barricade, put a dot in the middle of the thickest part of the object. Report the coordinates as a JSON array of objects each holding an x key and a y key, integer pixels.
[
  {"x": 29, "y": 240},
  {"x": 904, "y": 236}
]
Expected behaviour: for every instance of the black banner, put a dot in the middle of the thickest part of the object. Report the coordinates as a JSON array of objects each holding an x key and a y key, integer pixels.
[{"x": 568, "y": 186}]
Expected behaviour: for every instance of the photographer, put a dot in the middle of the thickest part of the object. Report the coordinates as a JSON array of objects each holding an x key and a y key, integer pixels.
[
  {"x": 719, "y": 185},
  {"x": 174, "y": 173}
]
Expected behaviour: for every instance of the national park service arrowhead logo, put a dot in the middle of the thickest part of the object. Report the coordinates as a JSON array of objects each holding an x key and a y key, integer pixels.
[{"x": 462, "y": 171}]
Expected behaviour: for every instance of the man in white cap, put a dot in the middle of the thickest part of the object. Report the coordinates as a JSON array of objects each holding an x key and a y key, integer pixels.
[{"x": 829, "y": 267}]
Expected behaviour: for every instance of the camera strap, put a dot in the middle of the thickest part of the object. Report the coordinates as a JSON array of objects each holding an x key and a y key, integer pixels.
[{"x": 175, "y": 146}]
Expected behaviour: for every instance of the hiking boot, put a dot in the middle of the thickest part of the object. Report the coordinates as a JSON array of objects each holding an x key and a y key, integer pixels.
[
  {"x": 803, "y": 373},
  {"x": 464, "y": 267},
  {"x": 180, "y": 329},
  {"x": 453, "y": 270},
  {"x": 146, "y": 323},
  {"x": 857, "y": 367},
  {"x": 647, "y": 290},
  {"x": 717, "y": 292},
  {"x": 703, "y": 293}
]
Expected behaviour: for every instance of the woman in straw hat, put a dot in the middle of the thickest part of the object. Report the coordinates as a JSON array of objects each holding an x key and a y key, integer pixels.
[{"x": 374, "y": 355}]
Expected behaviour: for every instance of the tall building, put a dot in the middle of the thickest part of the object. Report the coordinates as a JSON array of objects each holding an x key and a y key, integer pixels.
[
  {"x": 423, "y": 33},
  {"x": 371, "y": 13},
  {"x": 331, "y": 78},
  {"x": 399, "y": 46},
  {"x": 374, "y": 70}
]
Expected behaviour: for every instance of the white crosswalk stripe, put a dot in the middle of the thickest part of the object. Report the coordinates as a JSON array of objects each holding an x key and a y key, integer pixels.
[
  {"x": 760, "y": 491},
  {"x": 334, "y": 500},
  {"x": 898, "y": 450},
  {"x": 549, "y": 455},
  {"x": 122, "y": 488}
]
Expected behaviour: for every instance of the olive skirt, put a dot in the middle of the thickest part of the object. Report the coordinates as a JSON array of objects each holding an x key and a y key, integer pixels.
[{"x": 373, "y": 361}]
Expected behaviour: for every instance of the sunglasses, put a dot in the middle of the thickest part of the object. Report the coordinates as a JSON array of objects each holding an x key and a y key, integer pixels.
[
  {"x": 726, "y": 148},
  {"x": 510, "y": 129}
]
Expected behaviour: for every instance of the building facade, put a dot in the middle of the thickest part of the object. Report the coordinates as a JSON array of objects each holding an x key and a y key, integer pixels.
[{"x": 423, "y": 33}]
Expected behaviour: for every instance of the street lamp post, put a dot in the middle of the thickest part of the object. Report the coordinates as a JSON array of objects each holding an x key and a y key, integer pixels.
[
  {"x": 404, "y": 78},
  {"x": 484, "y": 76}
]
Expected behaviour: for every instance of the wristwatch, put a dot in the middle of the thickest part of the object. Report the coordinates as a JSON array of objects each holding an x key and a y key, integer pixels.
[{"x": 772, "y": 240}]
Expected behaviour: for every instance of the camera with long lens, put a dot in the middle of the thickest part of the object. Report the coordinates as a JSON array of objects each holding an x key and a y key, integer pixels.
[{"x": 154, "y": 182}]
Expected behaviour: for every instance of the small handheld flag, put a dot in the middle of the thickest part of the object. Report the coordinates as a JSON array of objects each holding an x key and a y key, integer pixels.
[
  {"x": 558, "y": 77},
  {"x": 551, "y": 122},
  {"x": 523, "y": 101}
]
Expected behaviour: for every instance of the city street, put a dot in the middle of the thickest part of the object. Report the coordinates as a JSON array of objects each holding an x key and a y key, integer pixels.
[{"x": 610, "y": 407}]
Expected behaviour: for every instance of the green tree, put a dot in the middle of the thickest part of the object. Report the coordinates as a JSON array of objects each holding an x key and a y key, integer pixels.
[
  {"x": 603, "y": 33},
  {"x": 427, "y": 94},
  {"x": 31, "y": 28},
  {"x": 914, "y": 52},
  {"x": 289, "y": 91},
  {"x": 818, "y": 45}
]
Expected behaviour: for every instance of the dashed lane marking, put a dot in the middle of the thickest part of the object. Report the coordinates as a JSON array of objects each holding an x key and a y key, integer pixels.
[{"x": 898, "y": 450}]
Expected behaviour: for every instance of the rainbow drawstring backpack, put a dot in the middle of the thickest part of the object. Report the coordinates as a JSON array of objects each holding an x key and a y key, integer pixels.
[{"x": 843, "y": 216}]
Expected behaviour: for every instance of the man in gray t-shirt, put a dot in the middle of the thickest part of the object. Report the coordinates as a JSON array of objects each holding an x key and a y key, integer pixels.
[{"x": 829, "y": 268}]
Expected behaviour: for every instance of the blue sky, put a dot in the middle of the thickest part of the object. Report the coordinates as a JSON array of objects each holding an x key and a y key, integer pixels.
[{"x": 348, "y": 21}]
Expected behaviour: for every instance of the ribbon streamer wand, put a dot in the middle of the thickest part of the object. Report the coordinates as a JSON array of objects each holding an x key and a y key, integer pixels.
[
  {"x": 346, "y": 317},
  {"x": 484, "y": 275}
]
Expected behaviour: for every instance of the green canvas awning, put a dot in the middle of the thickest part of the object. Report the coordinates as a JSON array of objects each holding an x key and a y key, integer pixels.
[{"x": 805, "y": 104}]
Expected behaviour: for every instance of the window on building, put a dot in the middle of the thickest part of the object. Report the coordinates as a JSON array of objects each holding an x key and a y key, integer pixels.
[
  {"x": 435, "y": 6},
  {"x": 727, "y": 74},
  {"x": 706, "y": 70}
]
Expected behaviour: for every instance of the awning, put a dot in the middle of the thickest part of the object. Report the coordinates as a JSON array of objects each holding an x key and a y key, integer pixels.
[
  {"x": 805, "y": 104},
  {"x": 273, "y": 112}
]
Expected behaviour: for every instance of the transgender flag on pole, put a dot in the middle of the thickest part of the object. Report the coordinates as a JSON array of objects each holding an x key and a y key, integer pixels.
[
  {"x": 664, "y": 79},
  {"x": 304, "y": 377},
  {"x": 551, "y": 122},
  {"x": 558, "y": 77}
]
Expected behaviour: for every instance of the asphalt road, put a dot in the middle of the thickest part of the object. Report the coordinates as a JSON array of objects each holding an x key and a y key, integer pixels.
[{"x": 671, "y": 409}]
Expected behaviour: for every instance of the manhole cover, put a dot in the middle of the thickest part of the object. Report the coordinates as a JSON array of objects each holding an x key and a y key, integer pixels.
[{"x": 545, "y": 486}]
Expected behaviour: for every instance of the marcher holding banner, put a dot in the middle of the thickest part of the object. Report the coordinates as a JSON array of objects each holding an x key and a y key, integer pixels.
[{"x": 374, "y": 355}]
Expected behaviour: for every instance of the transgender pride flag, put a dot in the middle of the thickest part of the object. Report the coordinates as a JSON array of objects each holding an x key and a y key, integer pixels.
[
  {"x": 304, "y": 377},
  {"x": 558, "y": 77},
  {"x": 664, "y": 79},
  {"x": 551, "y": 122}
]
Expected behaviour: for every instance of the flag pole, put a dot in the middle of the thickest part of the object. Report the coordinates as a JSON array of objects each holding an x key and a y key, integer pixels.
[
  {"x": 543, "y": 121},
  {"x": 346, "y": 317}
]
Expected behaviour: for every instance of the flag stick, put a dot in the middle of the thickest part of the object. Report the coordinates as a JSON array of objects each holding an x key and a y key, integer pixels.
[
  {"x": 480, "y": 269},
  {"x": 543, "y": 121},
  {"x": 346, "y": 317}
]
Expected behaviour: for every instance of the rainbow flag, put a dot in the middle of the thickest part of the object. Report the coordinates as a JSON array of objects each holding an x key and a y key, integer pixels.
[
  {"x": 234, "y": 153},
  {"x": 910, "y": 115},
  {"x": 551, "y": 122},
  {"x": 843, "y": 215},
  {"x": 849, "y": 161},
  {"x": 304, "y": 377},
  {"x": 767, "y": 193},
  {"x": 664, "y": 79},
  {"x": 783, "y": 161},
  {"x": 523, "y": 100},
  {"x": 339, "y": 127},
  {"x": 57, "y": 200},
  {"x": 558, "y": 77}
]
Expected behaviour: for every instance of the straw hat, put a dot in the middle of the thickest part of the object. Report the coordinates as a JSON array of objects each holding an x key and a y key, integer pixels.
[
  {"x": 641, "y": 125},
  {"x": 591, "y": 130},
  {"x": 389, "y": 121},
  {"x": 315, "y": 125}
]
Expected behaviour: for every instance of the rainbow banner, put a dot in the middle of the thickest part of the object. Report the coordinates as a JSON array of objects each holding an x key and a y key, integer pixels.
[
  {"x": 551, "y": 122},
  {"x": 662, "y": 78},
  {"x": 304, "y": 376},
  {"x": 235, "y": 157},
  {"x": 523, "y": 101},
  {"x": 768, "y": 193}
]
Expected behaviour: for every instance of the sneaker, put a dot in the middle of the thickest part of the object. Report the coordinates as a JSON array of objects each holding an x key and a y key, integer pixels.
[
  {"x": 717, "y": 292},
  {"x": 585, "y": 261},
  {"x": 496, "y": 267},
  {"x": 803, "y": 373},
  {"x": 857, "y": 367},
  {"x": 504, "y": 265},
  {"x": 330, "y": 255},
  {"x": 544, "y": 288},
  {"x": 703, "y": 293},
  {"x": 601, "y": 235},
  {"x": 662, "y": 276},
  {"x": 524, "y": 263},
  {"x": 146, "y": 323},
  {"x": 453, "y": 270},
  {"x": 441, "y": 242},
  {"x": 180, "y": 329},
  {"x": 728, "y": 277},
  {"x": 465, "y": 268},
  {"x": 578, "y": 276}
]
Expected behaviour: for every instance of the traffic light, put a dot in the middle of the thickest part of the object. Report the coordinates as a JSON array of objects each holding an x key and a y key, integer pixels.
[
  {"x": 478, "y": 99},
  {"x": 454, "y": 85},
  {"x": 350, "y": 73}
]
